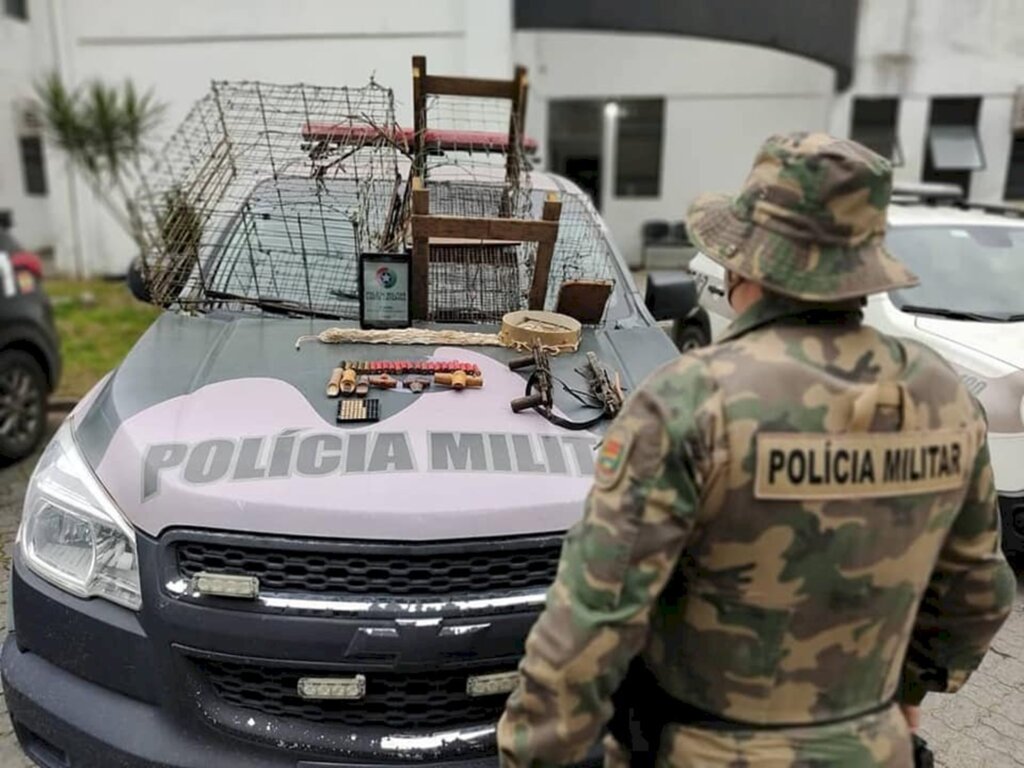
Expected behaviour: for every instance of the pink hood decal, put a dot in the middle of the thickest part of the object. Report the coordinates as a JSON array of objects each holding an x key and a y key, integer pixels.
[{"x": 254, "y": 455}]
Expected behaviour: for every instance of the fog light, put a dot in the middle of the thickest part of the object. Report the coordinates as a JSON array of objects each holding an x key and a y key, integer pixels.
[
  {"x": 226, "y": 585},
  {"x": 492, "y": 685},
  {"x": 338, "y": 688}
]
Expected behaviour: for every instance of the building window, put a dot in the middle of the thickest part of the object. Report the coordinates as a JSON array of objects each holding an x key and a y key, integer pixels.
[
  {"x": 17, "y": 9},
  {"x": 874, "y": 124},
  {"x": 33, "y": 166},
  {"x": 639, "y": 136},
  {"x": 575, "y": 136},
  {"x": 952, "y": 148},
  {"x": 1015, "y": 171}
]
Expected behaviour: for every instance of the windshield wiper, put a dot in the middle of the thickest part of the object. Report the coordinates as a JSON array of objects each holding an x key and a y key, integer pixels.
[
  {"x": 952, "y": 314},
  {"x": 276, "y": 306}
]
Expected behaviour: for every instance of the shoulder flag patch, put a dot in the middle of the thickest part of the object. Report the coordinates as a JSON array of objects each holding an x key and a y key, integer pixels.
[{"x": 611, "y": 462}]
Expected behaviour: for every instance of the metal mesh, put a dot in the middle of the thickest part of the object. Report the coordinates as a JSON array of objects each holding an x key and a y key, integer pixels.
[
  {"x": 266, "y": 191},
  {"x": 477, "y": 150},
  {"x": 582, "y": 251},
  {"x": 266, "y": 194},
  {"x": 479, "y": 282}
]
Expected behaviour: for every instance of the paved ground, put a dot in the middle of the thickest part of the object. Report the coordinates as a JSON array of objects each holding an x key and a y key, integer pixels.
[{"x": 981, "y": 727}]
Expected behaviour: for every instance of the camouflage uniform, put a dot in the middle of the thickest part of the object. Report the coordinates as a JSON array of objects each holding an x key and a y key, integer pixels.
[{"x": 769, "y": 513}]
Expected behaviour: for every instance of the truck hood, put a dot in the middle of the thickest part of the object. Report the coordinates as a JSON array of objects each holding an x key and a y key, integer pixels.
[
  {"x": 990, "y": 359},
  {"x": 1003, "y": 342},
  {"x": 225, "y": 425}
]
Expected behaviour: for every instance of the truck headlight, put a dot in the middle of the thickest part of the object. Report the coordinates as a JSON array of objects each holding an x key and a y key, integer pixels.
[{"x": 72, "y": 534}]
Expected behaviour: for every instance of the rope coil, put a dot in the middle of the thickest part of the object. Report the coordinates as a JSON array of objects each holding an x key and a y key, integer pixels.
[{"x": 557, "y": 333}]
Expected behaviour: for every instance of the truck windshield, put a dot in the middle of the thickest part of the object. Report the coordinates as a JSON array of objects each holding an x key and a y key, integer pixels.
[
  {"x": 293, "y": 248},
  {"x": 966, "y": 272}
]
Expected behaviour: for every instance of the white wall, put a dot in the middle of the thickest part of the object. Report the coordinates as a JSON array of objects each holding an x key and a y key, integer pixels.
[
  {"x": 997, "y": 142},
  {"x": 20, "y": 55},
  {"x": 178, "y": 48},
  {"x": 919, "y": 49},
  {"x": 721, "y": 101},
  {"x": 709, "y": 147}
]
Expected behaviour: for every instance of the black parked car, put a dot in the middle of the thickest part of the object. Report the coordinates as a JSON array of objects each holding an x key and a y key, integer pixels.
[{"x": 29, "y": 349}]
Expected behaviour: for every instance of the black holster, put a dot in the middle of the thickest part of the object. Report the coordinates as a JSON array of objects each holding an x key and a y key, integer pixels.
[
  {"x": 923, "y": 756},
  {"x": 637, "y": 725}
]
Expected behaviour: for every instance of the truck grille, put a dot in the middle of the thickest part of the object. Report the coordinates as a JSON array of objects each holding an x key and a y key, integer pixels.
[
  {"x": 435, "y": 699},
  {"x": 407, "y": 571}
]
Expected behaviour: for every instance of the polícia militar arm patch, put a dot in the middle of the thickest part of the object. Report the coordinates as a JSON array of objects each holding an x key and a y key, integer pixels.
[
  {"x": 613, "y": 458},
  {"x": 826, "y": 467}
]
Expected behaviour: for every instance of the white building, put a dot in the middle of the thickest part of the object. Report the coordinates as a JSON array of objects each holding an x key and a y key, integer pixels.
[
  {"x": 26, "y": 180},
  {"x": 646, "y": 119}
]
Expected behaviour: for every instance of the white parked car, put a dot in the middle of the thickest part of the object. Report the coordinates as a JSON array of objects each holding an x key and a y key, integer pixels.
[{"x": 969, "y": 307}]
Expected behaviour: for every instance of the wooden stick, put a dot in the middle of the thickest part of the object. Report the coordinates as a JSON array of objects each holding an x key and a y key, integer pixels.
[
  {"x": 419, "y": 114},
  {"x": 479, "y": 228},
  {"x": 468, "y": 86},
  {"x": 420, "y": 297},
  {"x": 545, "y": 252}
]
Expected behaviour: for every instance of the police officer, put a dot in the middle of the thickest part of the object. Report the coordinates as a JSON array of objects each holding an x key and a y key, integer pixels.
[{"x": 793, "y": 534}]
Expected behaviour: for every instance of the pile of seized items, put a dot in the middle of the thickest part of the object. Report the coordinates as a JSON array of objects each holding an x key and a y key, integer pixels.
[
  {"x": 544, "y": 335},
  {"x": 353, "y": 379}
]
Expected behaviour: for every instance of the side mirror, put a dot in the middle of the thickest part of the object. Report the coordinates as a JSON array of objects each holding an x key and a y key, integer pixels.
[
  {"x": 671, "y": 295},
  {"x": 136, "y": 279}
]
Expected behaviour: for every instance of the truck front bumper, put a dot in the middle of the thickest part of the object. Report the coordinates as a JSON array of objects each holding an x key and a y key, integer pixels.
[
  {"x": 91, "y": 685},
  {"x": 63, "y": 721}
]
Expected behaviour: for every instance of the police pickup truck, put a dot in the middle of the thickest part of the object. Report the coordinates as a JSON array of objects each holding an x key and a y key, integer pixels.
[{"x": 212, "y": 569}]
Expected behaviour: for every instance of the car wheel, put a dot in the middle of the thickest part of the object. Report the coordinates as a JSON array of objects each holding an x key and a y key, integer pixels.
[
  {"x": 22, "y": 405},
  {"x": 689, "y": 337}
]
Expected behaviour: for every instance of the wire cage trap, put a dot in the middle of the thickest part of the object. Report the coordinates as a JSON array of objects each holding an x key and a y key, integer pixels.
[
  {"x": 265, "y": 196},
  {"x": 249, "y": 203}
]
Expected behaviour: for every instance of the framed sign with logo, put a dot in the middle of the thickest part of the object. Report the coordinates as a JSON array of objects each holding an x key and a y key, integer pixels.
[{"x": 385, "y": 288}]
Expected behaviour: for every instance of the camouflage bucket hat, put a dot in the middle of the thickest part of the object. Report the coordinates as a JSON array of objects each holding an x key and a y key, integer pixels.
[{"x": 808, "y": 223}]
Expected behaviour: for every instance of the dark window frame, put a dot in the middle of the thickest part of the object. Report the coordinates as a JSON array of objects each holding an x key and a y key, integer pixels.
[
  {"x": 877, "y": 115},
  {"x": 33, "y": 166},
  {"x": 578, "y": 155},
  {"x": 16, "y": 9},
  {"x": 1014, "y": 187},
  {"x": 958, "y": 111},
  {"x": 624, "y": 110}
]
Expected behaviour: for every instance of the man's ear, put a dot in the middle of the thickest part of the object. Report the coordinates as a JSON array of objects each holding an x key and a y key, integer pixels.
[{"x": 732, "y": 282}]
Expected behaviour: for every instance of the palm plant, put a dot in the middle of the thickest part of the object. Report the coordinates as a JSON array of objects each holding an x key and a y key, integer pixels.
[{"x": 105, "y": 132}]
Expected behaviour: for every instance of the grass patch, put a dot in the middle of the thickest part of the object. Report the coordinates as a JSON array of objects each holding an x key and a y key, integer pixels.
[{"x": 98, "y": 322}]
